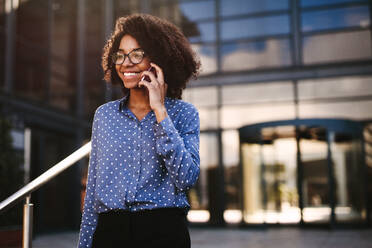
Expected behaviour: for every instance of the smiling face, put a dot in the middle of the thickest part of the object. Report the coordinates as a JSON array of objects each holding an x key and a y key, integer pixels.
[{"x": 127, "y": 71}]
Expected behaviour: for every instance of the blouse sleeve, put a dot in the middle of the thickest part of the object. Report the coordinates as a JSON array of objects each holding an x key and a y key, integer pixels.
[
  {"x": 180, "y": 148},
  {"x": 90, "y": 216}
]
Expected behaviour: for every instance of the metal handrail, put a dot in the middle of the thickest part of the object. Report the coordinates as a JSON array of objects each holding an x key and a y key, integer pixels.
[
  {"x": 25, "y": 192},
  {"x": 45, "y": 177}
]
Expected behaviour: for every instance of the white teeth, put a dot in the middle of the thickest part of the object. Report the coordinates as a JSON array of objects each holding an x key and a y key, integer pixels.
[{"x": 130, "y": 73}]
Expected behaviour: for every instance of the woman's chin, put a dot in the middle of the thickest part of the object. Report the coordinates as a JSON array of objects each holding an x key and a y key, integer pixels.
[{"x": 131, "y": 85}]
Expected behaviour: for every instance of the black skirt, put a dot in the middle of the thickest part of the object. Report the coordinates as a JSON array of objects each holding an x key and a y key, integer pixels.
[{"x": 162, "y": 227}]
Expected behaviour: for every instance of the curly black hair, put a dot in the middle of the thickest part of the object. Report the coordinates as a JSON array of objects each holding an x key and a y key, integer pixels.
[{"x": 163, "y": 43}]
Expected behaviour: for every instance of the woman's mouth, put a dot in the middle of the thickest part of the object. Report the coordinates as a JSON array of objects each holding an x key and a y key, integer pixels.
[{"x": 128, "y": 74}]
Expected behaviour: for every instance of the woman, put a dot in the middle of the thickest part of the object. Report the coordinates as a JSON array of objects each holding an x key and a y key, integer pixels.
[{"x": 145, "y": 146}]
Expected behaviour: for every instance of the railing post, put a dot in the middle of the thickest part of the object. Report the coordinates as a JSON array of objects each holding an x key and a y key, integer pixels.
[{"x": 27, "y": 223}]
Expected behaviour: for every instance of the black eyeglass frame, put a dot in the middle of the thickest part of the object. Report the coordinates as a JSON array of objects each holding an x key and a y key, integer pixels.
[{"x": 114, "y": 58}]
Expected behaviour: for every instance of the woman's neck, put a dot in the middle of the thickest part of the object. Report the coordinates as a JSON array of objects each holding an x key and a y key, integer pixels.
[{"x": 139, "y": 99}]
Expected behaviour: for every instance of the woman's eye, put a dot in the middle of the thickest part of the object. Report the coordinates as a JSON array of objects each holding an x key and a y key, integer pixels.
[{"x": 137, "y": 55}]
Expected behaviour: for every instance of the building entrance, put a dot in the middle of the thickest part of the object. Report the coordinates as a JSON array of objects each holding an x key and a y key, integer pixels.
[{"x": 310, "y": 171}]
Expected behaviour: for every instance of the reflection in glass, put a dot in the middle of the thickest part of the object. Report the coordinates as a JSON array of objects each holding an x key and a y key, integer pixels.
[
  {"x": 203, "y": 193},
  {"x": 94, "y": 87},
  {"x": 335, "y": 18},
  {"x": 127, "y": 7},
  {"x": 269, "y": 177},
  {"x": 30, "y": 61},
  {"x": 54, "y": 146},
  {"x": 356, "y": 110},
  {"x": 2, "y": 12},
  {"x": 315, "y": 185},
  {"x": 200, "y": 32},
  {"x": 202, "y": 96},
  {"x": 335, "y": 87},
  {"x": 347, "y": 161},
  {"x": 252, "y": 55},
  {"x": 238, "y": 7},
  {"x": 164, "y": 9},
  {"x": 230, "y": 144},
  {"x": 198, "y": 10},
  {"x": 337, "y": 47},
  {"x": 237, "y": 116},
  {"x": 2, "y": 42},
  {"x": 269, "y": 172},
  {"x": 252, "y": 197},
  {"x": 257, "y": 93},
  {"x": 205, "y": 100},
  {"x": 208, "y": 118},
  {"x": 367, "y": 135},
  {"x": 279, "y": 174},
  {"x": 208, "y": 57},
  {"x": 271, "y": 25},
  {"x": 311, "y": 3}
]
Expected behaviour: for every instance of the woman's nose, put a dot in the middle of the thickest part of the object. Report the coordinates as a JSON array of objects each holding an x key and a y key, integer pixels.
[{"x": 127, "y": 61}]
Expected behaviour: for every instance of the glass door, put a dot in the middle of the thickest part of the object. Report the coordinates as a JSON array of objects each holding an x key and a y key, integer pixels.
[
  {"x": 312, "y": 171},
  {"x": 314, "y": 174},
  {"x": 252, "y": 188},
  {"x": 349, "y": 173},
  {"x": 269, "y": 177}
]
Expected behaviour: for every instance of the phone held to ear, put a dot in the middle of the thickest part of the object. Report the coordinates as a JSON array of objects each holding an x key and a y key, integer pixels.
[{"x": 147, "y": 78}]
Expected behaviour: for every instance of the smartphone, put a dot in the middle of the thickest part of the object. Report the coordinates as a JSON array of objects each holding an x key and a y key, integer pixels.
[{"x": 153, "y": 70}]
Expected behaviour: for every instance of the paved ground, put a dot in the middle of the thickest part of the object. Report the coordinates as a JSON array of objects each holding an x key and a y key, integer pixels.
[{"x": 242, "y": 238}]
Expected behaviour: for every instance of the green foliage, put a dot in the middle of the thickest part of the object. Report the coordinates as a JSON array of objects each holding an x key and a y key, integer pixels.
[{"x": 11, "y": 175}]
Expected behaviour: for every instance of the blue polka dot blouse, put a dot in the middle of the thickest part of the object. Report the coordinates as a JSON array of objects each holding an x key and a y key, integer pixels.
[{"x": 136, "y": 165}]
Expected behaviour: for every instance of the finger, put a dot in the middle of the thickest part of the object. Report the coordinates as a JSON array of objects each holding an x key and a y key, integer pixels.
[
  {"x": 159, "y": 73},
  {"x": 150, "y": 75},
  {"x": 146, "y": 84}
]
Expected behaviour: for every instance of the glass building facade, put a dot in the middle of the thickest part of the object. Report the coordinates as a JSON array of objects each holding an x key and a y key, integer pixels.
[{"x": 284, "y": 96}]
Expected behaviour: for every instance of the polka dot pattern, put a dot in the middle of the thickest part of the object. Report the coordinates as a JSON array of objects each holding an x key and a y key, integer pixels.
[{"x": 136, "y": 165}]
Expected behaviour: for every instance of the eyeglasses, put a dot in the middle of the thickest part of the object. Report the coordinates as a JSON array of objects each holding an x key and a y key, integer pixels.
[{"x": 135, "y": 56}]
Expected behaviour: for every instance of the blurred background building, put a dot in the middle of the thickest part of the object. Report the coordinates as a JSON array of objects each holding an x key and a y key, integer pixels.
[{"x": 285, "y": 101}]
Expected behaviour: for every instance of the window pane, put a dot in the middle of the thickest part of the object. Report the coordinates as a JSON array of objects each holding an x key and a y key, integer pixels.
[
  {"x": 208, "y": 57},
  {"x": 310, "y": 3},
  {"x": 198, "y": 10},
  {"x": 2, "y": 9},
  {"x": 62, "y": 89},
  {"x": 272, "y": 25},
  {"x": 31, "y": 50},
  {"x": 94, "y": 88},
  {"x": 208, "y": 118},
  {"x": 205, "y": 100},
  {"x": 237, "y": 116},
  {"x": 232, "y": 173},
  {"x": 336, "y": 18},
  {"x": 357, "y": 110},
  {"x": 252, "y": 55},
  {"x": 269, "y": 176},
  {"x": 337, "y": 47},
  {"x": 200, "y": 32},
  {"x": 202, "y": 194},
  {"x": 202, "y": 96},
  {"x": 252, "y": 187},
  {"x": 257, "y": 93},
  {"x": 315, "y": 187},
  {"x": 2, "y": 42},
  {"x": 348, "y": 166},
  {"x": 167, "y": 10},
  {"x": 335, "y": 87},
  {"x": 237, "y": 7},
  {"x": 123, "y": 8}
]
